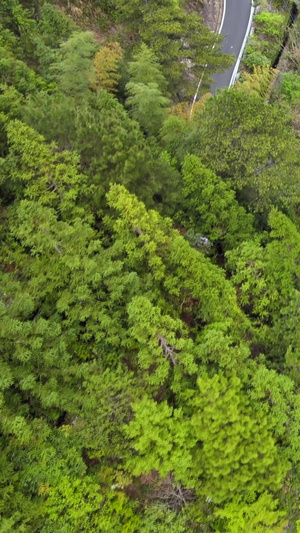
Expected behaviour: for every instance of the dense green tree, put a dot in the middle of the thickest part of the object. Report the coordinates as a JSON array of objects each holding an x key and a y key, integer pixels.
[
  {"x": 76, "y": 505},
  {"x": 19, "y": 23},
  {"x": 110, "y": 393},
  {"x": 74, "y": 68},
  {"x": 48, "y": 176},
  {"x": 248, "y": 266},
  {"x": 271, "y": 24},
  {"x": 146, "y": 385},
  {"x": 160, "y": 519},
  {"x": 53, "y": 115},
  {"x": 147, "y": 105},
  {"x": 133, "y": 11},
  {"x": 238, "y": 456},
  {"x": 256, "y": 517},
  {"x": 52, "y": 29},
  {"x": 53, "y": 26},
  {"x": 165, "y": 445},
  {"x": 218, "y": 449},
  {"x": 252, "y": 144},
  {"x": 184, "y": 46},
  {"x": 146, "y": 100},
  {"x": 145, "y": 68},
  {"x": 210, "y": 206},
  {"x": 61, "y": 264},
  {"x": 289, "y": 342},
  {"x": 290, "y": 87},
  {"x": 147, "y": 238},
  {"x": 279, "y": 398},
  {"x": 14, "y": 72},
  {"x": 173, "y": 136},
  {"x": 180, "y": 40},
  {"x": 162, "y": 340},
  {"x": 267, "y": 277},
  {"x": 111, "y": 146}
]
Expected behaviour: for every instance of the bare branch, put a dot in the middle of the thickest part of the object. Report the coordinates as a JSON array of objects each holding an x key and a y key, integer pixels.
[{"x": 169, "y": 350}]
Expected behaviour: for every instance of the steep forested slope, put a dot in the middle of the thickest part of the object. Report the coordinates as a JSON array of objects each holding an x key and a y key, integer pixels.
[{"x": 150, "y": 267}]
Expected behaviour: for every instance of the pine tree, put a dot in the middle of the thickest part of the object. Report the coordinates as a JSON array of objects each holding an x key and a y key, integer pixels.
[
  {"x": 74, "y": 69},
  {"x": 145, "y": 68},
  {"x": 145, "y": 91},
  {"x": 180, "y": 40},
  {"x": 111, "y": 146},
  {"x": 184, "y": 47},
  {"x": 147, "y": 105}
]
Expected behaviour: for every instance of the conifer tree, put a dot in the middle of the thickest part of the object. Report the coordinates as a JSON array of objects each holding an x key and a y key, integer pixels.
[
  {"x": 180, "y": 40},
  {"x": 147, "y": 105},
  {"x": 74, "y": 69},
  {"x": 238, "y": 457},
  {"x": 105, "y": 62},
  {"x": 145, "y": 91},
  {"x": 145, "y": 68},
  {"x": 258, "y": 516},
  {"x": 268, "y": 276},
  {"x": 143, "y": 387},
  {"x": 183, "y": 273},
  {"x": 211, "y": 207},
  {"x": 183, "y": 45}
]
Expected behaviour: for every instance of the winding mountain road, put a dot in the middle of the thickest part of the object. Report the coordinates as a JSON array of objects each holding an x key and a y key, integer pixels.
[{"x": 235, "y": 26}]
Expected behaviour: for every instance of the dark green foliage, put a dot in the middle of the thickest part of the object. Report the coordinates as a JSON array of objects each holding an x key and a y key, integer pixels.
[
  {"x": 53, "y": 25},
  {"x": 180, "y": 40},
  {"x": 53, "y": 28},
  {"x": 252, "y": 144},
  {"x": 16, "y": 73},
  {"x": 211, "y": 207},
  {"x": 111, "y": 145}
]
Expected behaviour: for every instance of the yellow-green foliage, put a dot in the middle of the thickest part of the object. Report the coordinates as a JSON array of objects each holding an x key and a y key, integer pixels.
[
  {"x": 105, "y": 62},
  {"x": 259, "y": 82}
]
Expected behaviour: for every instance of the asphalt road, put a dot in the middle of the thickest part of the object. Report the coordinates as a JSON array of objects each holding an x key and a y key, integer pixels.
[{"x": 234, "y": 29}]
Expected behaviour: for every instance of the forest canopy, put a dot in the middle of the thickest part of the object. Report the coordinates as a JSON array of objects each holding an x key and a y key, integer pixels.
[{"x": 150, "y": 277}]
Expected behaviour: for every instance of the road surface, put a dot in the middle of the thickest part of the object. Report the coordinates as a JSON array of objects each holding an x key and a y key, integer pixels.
[{"x": 235, "y": 28}]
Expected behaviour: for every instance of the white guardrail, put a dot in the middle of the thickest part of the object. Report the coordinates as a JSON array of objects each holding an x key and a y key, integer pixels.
[{"x": 239, "y": 58}]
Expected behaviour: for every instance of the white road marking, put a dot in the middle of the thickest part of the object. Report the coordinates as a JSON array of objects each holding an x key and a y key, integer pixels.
[{"x": 237, "y": 64}]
